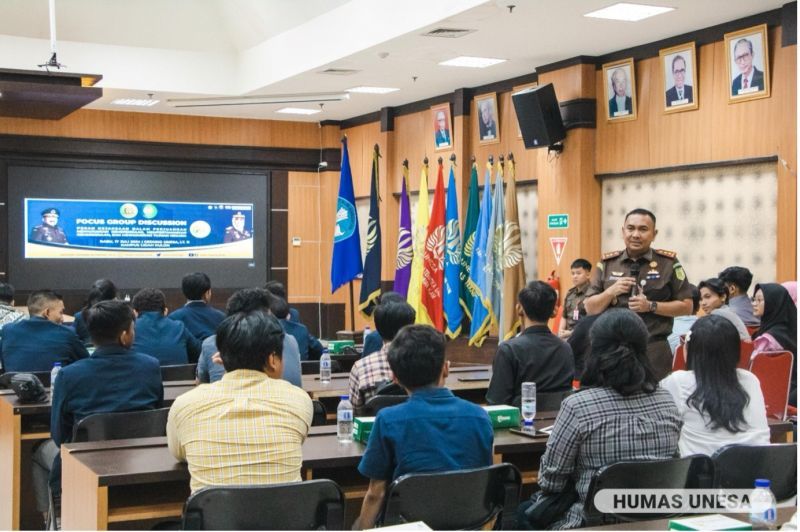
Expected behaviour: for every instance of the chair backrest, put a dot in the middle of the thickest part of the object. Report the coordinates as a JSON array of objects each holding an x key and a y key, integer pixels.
[
  {"x": 745, "y": 354},
  {"x": 180, "y": 372},
  {"x": 690, "y": 472},
  {"x": 43, "y": 376},
  {"x": 121, "y": 425},
  {"x": 310, "y": 505},
  {"x": 320, "y": 414},
  {"x": 738, "y": 467},
  {"x": 551, "y": 401},
  {"x": 774, "y": 372},
  {"x": 311, "y": 367},
  {"x": 679, "y": 358},
  {"x": 455, "y": 500},
  {"x": 377, "y": 402},
  {"x": 390, "y": 388}
]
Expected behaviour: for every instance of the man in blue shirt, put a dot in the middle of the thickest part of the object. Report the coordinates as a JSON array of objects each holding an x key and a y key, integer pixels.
[
  {"x": 433, "y": 431},
  {"x": 113, "y": 379},
  {"x": 310, "y": 348},
  {"x": 199, "y": 317},
  {"x": 158, "y": 336},
  {"x": 248, "y": 300},
  {"x": 40, "y": 341}
]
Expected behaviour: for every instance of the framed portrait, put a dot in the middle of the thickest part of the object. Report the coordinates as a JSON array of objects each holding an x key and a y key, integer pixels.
[
  {"x": 678, "y": 64},
  {"x": 487, "y": 118},
  {"x": 442, "y": 127},
  {"x": 522, "y": 88},
  {"x": 620, "y": 90},
  {"x": 748, "y": 64}
]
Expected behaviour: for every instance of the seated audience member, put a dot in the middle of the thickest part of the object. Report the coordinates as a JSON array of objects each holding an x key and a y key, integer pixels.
[
  {"x": 737, "y": 280},
  {"x": 310, "y": 348},
  {"x": 535, "y": 355},
  {"x": 114, "y": 379},
  {"x": 276, "y": 288},
  {"x": 778, "y": 329},
  {"x": 35, "y": 344},
  {"x": 714, "y": 300},
  {"x": 619, "y": 414},
  {"x": 156, "y": 335},
  {"x": 580, "y": 344},
  {"x": 101, "y": 290},
  {"x": 249, "y": 427},
  {"x": 682, "y": 324},
  {"x": 369, "y": 373},
  {"x": 433, "y": 431},
  {"x": 581, "y": 272},
  {"x": 8, "y": 314},
  {"x": 197, "y": 314},
  {"x": 373, "y": 341},
  {"x": 719, "y": 404},
  {"x": 249, "y": 300}
]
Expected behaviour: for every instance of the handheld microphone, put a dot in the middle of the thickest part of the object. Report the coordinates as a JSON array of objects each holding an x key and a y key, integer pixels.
[{"x": 635, "y": 268}]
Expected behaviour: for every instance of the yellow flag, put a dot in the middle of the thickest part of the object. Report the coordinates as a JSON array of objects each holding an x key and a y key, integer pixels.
[
  {"x": 420, "y": 233},
  {"x": 513, "y": 264}
]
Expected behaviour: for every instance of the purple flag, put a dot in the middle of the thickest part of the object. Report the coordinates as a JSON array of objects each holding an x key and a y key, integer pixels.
[{"x": 405, "y": 250}]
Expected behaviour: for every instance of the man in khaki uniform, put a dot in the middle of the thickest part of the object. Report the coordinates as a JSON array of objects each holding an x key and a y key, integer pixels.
[{"x": 658, "y": 293}]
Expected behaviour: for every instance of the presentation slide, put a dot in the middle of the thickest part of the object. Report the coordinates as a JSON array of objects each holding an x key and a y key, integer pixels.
[{"x": 114, "y": 229}]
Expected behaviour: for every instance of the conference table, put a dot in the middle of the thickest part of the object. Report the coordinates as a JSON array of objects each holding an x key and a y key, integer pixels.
[{"x": 784, "y": 514}]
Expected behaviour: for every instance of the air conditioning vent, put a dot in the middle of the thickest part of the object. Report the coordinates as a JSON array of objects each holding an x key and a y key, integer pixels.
[
  {"x": 339, "y": 71},
  {"x": 448, "y": 33}
]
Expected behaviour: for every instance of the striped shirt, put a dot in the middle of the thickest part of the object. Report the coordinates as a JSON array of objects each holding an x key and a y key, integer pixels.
[
  {"x": 367, "y": 374},
  {"x": 244, "y": 429}
]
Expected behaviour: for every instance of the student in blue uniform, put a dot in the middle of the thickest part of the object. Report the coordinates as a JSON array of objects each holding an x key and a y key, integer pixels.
[
  {"x": 197, "y": 314},
  {"x": 101, "y": 290},
  {"x": 40, "y": 341},
  {"x": 310, "y": 348},
  {"x": 158, "y": 336}
]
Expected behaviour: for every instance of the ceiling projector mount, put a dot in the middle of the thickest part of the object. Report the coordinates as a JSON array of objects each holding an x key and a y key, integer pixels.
[{"x": 53, "y": 61}]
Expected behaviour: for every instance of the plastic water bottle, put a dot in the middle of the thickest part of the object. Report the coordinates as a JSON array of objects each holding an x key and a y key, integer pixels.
[
  {"x": 367, "y": 332},
  {"x": 344, "y": 420},
  {"x": 528, "y": 404},
  {"x": 53, "y": 374},
  {"x": 763, "y": 509},
  {"x": 325, "y": 367}
]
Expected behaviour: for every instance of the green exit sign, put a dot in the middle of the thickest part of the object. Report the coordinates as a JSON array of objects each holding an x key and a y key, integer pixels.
[{"x": 558, "y": 221}]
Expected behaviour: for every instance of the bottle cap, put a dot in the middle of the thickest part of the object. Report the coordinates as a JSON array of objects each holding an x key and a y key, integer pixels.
[
  {"x": 56, "y": 364},
  {"x": 762, "y": 483},
  {"x": 344, "y": 397},
  {"x": 528, "y": 422}
]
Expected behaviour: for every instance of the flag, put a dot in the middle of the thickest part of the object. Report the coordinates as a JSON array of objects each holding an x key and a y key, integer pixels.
[
  {"x": 371, "y": 282},
  {"x": 481, "y": 318},
  {"x": 405, "y": 250},
  {"x": 494, "y": 249},
  {"x": 453, "y": 312},
  {"x": 346, "y": 259},
  {"x": 433, "y": 266},
  {"x": 420, "y": 232},
  {"x": 513, "y": 263},
  {"x": 473, "y": 206}
]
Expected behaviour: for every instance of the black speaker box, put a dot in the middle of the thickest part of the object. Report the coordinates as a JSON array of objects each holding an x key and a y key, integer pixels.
[{"x": 539, "y": 116}]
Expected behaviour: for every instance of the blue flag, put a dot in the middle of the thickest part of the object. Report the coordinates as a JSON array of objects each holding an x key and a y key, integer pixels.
[
  {"x": 494, "y": 250},
  {"x": 346, "y": 261},
  {"x": 453, "y": 313},
  {"x": 481, "y": 317}
]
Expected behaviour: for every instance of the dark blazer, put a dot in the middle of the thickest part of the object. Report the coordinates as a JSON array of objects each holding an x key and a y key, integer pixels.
[
  {"x": 37, "y": 343},
  {"x": 442, "y": 138},
  {"x": 672, "y": 94},
  {"x": 167, "y": 340},
  {"x": 79, "y": 325},
  {"x": 756, "y": 81},
  {"x": 372, "y": 344},
  {"x": 612, "y": 105},
  {"x": 310, "y": 348},
  {"x": 200, "y": 318}
]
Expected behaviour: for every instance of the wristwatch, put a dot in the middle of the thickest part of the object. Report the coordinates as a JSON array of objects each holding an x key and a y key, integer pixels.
[{"x": 653, "y": 306}]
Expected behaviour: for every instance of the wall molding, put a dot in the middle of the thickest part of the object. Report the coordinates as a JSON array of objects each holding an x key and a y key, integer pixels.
[{"x": 689, "y": 167}]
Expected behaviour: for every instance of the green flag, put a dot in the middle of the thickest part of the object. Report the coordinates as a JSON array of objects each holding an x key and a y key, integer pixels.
[{"x": 471, "y": 223}]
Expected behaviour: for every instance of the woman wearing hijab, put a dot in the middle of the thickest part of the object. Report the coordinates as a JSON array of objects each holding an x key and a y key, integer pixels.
[{"x": 778, "y": 331}]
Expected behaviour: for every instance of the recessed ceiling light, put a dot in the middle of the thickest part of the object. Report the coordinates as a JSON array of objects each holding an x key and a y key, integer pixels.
[
  {"x": 136, "y": 102},
  {"x": 297, "y": 111},
  {"x": 472, "y": 62},
  {"x": 372, "y": 90},
  {"x": 629, "y": 12}
]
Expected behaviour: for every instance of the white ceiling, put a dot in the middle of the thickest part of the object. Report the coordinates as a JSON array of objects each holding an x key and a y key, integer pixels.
[{"x": 196, "y": 48}]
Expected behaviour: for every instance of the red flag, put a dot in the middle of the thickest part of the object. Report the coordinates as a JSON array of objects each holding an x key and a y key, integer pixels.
[{"x": 433, "y": 265}]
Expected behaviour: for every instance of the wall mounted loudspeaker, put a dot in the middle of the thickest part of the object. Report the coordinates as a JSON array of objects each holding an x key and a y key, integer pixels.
[{"x": 539, "y": 116}]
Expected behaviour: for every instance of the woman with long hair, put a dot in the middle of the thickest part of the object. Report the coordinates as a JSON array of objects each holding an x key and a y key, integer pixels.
[
  {"x": 773, "y": 304},
  {"x": 101, "y": 290},
  {"x": 714, "y": 300},
  {"x": 719, "y": 404},
  {"x": 619, "y": 414}
]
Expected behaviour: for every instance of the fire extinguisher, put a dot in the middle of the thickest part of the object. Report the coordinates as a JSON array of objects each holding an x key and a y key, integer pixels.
[{"x": 554, "y": 281}]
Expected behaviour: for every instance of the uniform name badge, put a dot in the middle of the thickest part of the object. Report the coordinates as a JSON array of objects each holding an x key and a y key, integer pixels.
[
  {"x": 576, "y": 314},
  {"x": 653, "y": 274}
]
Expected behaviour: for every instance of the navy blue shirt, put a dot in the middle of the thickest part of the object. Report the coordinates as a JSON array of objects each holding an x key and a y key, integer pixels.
[
  {"x": 167, "y": 340},
  {"x": 372, "y": 343},
  {"x": 80, "y": 328},
  {"x": 200, "y": 318},
  {"x": 37, "y": 343},
  {"x": 310, "y": 348},
  {"x": 432, "y": 431}
]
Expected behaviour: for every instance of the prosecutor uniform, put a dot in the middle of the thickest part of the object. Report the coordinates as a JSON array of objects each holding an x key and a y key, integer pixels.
[{"x": 49, "y": 232}]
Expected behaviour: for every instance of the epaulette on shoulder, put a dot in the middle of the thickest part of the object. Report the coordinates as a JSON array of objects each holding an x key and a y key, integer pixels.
[
  {"x": 666, "y": 253},
  {"x": 612, "y": 255}
]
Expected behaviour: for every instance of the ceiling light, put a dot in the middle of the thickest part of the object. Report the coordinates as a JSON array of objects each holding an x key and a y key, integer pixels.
[
  {"x": 136, "y": 102},
  {"x": 373, "y": 90},
  {"x": 260, "y": 100},
  {"x": 628, "y": 12},
  {"x": 472, "y": 62},
  {"x": 297, "y": 111}
]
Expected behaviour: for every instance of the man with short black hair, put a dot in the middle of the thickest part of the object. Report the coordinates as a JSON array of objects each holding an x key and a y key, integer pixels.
[
  {"x": 310, "y": 348},
  {"x": 40, "y": 341},
  {"x": 536, "y": 355},
  {"x": 8, "y": 314},
  {"x": 167, "y": 340},
  {"x": 197, "y": 314},
  {"x": 249, "y": 427},
  {"x": 581, "y": 271},
  {"x": 276, "y": 288},
  {"x": 738, "y": 279},
  {"x": 433, "y": 431}
]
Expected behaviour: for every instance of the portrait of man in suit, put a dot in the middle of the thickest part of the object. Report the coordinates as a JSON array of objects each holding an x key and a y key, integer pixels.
[
  {"x": 750, "y": 78},
  {"x": 620, "y": 103},
  {"x": 681, "y": 92},
  {"x": 488, "y": 124},
  {"x": 442, "y": 127}
]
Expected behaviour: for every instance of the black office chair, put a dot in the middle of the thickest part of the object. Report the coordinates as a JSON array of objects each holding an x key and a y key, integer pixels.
[
  {"x": 311, "y": 367},
  {"x": 180, "y": 372},
  {"x": 738, "y": 467},
  {"x": 390, "y": 388},
  {"x": 310, "y": 505},
  {"x": 691, "y": 472},
  {"x": 320, "y": 414},
  {"x": 121, "y": 425},
  {"x": 550, "y": 401},
  {"x": 455, "y": 500},
  {"x": 377, "y": 402},
  {"x": 43, "y": 376}
]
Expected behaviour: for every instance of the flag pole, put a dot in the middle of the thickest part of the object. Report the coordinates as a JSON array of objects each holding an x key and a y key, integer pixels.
[{"x": 352, "y": 308}]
